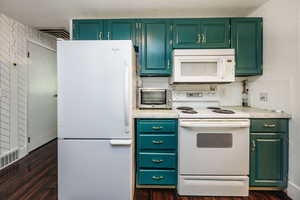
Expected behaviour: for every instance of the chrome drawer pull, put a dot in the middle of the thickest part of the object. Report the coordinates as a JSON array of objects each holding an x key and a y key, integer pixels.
[
  {"x": 157, "y": 161},
  {"x": 269, "y": 125},
  {"x": 157, "y": 127},
  {"x": 157, "y": 177},
  {"x": 157, "y": 141}
]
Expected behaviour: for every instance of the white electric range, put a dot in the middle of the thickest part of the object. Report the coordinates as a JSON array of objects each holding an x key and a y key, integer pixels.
[{"x": 213, "y": 146}]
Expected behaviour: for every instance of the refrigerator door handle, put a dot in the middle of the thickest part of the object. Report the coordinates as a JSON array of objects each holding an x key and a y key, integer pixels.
[
  {"x": 126, "y": 96},
  {"x": 120, "y": 142}
]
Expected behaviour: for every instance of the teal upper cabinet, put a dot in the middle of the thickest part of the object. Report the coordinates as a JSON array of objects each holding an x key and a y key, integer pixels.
[
  {"x": 155, "y": 47},
  {"x": 121, "y": 29},
  {"x": 88, "y": 29},
  {"x": 155, "y": 39},
  {"x": 246, "y": 39},
  {"x": 215, "y": 33},
  {"x": 201, "y": 33},
  {"x": 186, "y": 34}
]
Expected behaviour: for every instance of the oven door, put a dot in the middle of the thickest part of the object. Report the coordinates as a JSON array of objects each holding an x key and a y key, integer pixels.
[
  {"x": 206, "y": 69},
  {"x": 214, "y": 147}
]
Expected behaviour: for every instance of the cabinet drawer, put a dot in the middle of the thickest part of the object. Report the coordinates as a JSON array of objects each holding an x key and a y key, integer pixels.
[
  {"x": 269, "y": 125},
  {"x": 166, "y": 141},
  {"x": 156, "y": 126},
  {"x": 157, "y": 160},
  {"x": 157, "y": 177}
]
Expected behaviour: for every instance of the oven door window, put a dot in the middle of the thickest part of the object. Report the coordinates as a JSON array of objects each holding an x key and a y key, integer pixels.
[
  {"x": 153, "y": 98},
  {"x": 214, "y": 140}
]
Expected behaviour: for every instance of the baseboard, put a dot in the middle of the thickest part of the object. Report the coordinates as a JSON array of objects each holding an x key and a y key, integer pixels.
[{"x": 293, "y": 191}]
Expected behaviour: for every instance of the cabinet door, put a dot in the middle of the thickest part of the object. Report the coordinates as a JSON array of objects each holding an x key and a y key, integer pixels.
[
  {"x": 186, "y": 34},
  {"x": 246, "y": 39},
  {"x": 215, "y": 33},
  {"x": 155, "y": 48},
  {"x": 119, "y": 29},
  {"x": 268, "y": 160},
  {"x": 88, "y": 29}
]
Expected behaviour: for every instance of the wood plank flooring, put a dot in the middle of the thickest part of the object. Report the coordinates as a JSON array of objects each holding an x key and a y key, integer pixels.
[{"x": 35, "y": 178}]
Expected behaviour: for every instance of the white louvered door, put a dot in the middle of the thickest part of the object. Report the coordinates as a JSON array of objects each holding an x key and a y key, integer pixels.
[{"x": 5, "y": 108}]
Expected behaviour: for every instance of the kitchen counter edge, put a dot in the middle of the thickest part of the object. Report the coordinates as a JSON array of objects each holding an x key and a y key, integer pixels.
[{"x": 254, "y": 113}]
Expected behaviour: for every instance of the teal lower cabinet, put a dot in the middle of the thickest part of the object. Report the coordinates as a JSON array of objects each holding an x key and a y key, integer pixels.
[
  {"x": 157, "y": 177},
  {"x": 157, "y": 160},
  {"x": 157, "y": 141},
  {"x": 269, "y": 154},
  {"x": 156, "y": 152}
]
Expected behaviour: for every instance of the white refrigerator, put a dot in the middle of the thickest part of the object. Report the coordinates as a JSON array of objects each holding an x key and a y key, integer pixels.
[{"x": 95, "y": 128}]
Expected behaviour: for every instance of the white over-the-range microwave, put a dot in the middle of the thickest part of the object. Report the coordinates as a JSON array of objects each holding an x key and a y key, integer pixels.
[{"x": 203, "y": 66}]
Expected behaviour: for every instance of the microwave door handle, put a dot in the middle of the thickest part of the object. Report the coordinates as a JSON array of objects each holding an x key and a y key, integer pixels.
[
  {"x": 222, "y": 70},
  {"x": 126, "y": 100}
]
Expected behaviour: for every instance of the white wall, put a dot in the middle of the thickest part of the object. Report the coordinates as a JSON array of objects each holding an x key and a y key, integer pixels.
[
  {"x": 13, "y": 49},
  {"x": 281, "y": 74}
]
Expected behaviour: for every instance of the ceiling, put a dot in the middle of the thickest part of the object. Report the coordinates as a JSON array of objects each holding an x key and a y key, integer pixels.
[{"x": 57, "y": 13}]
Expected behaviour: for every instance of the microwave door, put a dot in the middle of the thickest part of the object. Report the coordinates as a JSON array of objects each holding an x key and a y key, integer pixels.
[
  {"x": 204, "y": 69},
  {"x": 198, "y": 69}
]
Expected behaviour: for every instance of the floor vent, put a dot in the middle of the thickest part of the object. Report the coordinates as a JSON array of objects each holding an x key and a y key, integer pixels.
[{"x": 9, "y": 157}]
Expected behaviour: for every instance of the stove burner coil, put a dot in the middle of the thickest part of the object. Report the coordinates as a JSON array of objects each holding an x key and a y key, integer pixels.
[
  {"x": 213, "y": 108},
  {"x": 189, "y": 111},
  {"x": 224, "y": 111},
  {"x": 184, "y": 108}
]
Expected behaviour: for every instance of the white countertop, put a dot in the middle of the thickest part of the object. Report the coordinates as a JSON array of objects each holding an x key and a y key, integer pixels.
[
  {"x": 260, "y": 113},
  {"x": 252, "y": 112},
  {"x": 155, "y": 113}
]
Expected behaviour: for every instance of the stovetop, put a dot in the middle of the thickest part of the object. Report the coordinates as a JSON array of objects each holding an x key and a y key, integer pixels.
[{"x": 210, "y": 112}]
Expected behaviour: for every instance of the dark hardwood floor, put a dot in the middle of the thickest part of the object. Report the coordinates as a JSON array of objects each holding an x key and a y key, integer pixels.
[{"x": 35, "y": 178}]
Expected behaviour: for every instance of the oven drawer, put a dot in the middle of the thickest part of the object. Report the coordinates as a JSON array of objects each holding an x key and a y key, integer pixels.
[
  {"x": 157, "y": 160},
  {"x": 157, "y": 141},
  {"x": 213, "y": 185},
  {"x": 156, "y": 126},
  {"x": 157, "y": 177},
  {"x": 269, "y": 126}
]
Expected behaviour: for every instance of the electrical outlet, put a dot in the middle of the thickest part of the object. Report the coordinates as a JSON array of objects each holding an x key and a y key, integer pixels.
[{"x": 263, "y": 96}]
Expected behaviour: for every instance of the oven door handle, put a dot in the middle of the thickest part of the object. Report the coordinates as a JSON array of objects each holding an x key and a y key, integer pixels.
[{"x": 216, "y": 124}]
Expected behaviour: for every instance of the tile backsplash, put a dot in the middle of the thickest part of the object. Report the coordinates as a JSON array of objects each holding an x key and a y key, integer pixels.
[{"x": 230, "y": 94}]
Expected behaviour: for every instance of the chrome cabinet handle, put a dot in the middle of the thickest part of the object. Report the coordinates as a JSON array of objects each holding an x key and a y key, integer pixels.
[
  {"x": 100, "y": 36},
  {"x": 253, "y": 145},
  {"x": 157, "y": 161},
  {"x": 269, "y": 125},
  {"x": 108, "y": 35},
  {"x": 157, "y": 127},
  {"x": 199, "y": 38},
  {"x": 203, "y": 38},
  {"x": 157, "y": 141},
  {"x": 157, "y": 177}
]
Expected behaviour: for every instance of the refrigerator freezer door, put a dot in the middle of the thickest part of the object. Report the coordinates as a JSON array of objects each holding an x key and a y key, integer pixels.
[
  {"x": 94, "y": 169},
  {"x": 93, "y": 89}
]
